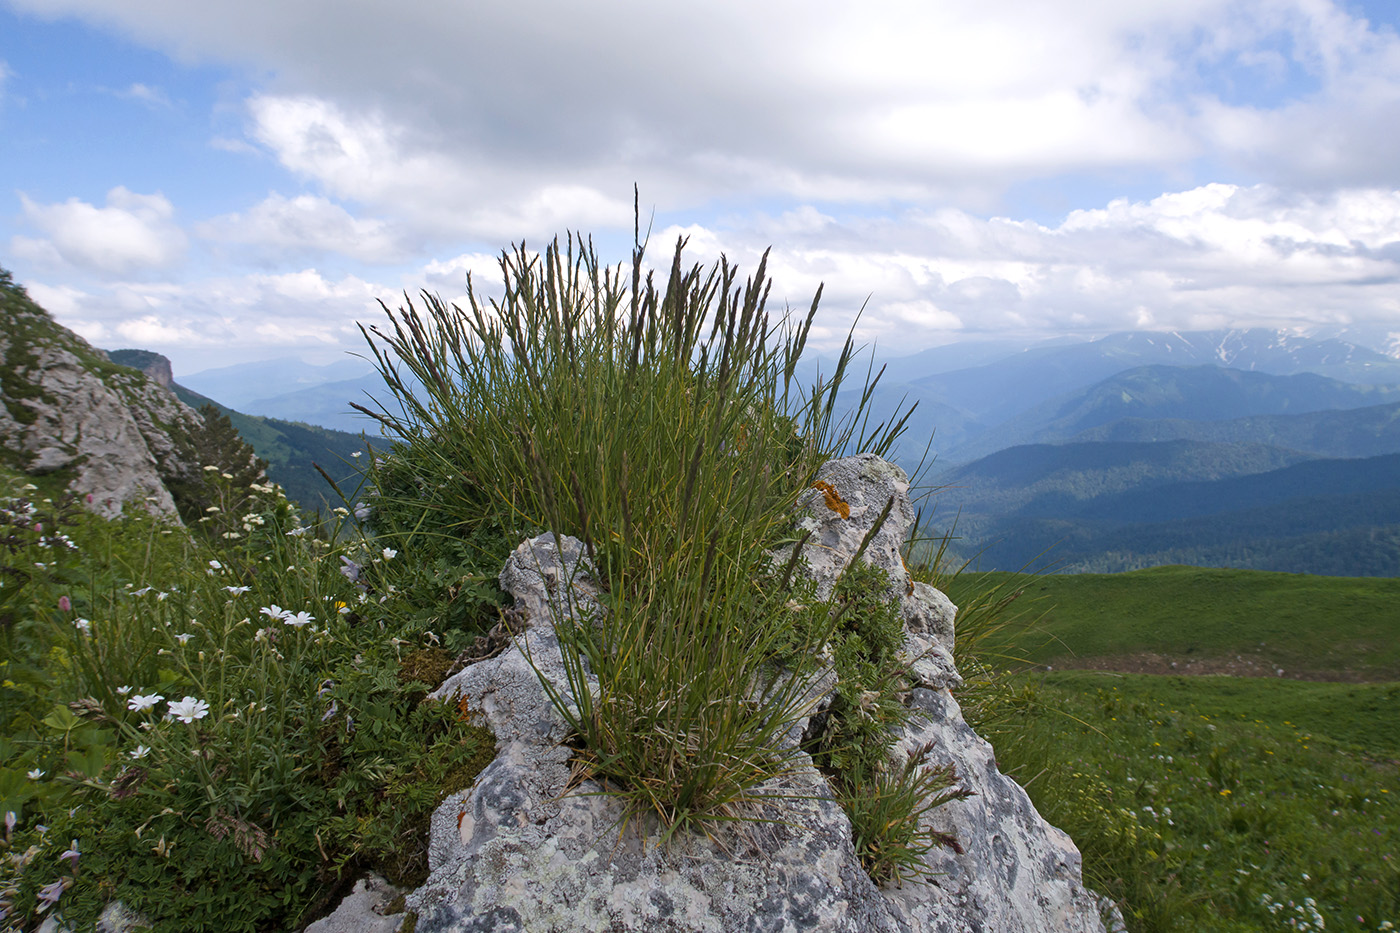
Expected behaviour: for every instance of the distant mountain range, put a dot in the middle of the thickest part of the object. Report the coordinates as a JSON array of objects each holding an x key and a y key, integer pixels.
[
  {"x": 246, "y": 385},
  {"x": 1358, "y": 432},
  {"x": 1193, "y": 393},
  {"x": 293, "y": 450},
  {"x": 1238, "y": 447}
]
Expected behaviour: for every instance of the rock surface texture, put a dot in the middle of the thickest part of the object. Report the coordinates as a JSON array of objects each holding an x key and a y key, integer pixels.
[
  {"x": 113, "y": 432},
  {"x": 526, "y": 849}
]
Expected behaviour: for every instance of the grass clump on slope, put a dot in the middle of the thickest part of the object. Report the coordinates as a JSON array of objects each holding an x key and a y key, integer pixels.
[{"x": 662, "y": 424}]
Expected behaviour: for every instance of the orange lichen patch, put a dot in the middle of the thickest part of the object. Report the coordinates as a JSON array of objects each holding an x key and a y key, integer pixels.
[{"x": 833, "y": 498}]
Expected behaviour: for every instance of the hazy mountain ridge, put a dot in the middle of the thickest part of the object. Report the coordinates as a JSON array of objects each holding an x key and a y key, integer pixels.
[
  {"x": 327, "y": 404},
  {"x": 1344, "y": 535},
  {"x": 1356, "y": 432},
  {"x": 1091, "y": 443},
  {"x": 243, "y": 386},
  {"x": 964, "y": 391},
  {"x": 1195, "y": 393},
  {"x": 999, "y": 390},
  {"x": 292, "y": 451},
  {"x": 1047, "y": 479}
]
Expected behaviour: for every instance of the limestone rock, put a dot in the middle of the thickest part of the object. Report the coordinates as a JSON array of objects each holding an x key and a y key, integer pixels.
[
  {"x": 864, "y": 483},
  {"x": 68, "y": 408},
  {"x": 154, "y": 365},
  {"x": 528, "y": 848},
  {"x": 369, "y": 908}
]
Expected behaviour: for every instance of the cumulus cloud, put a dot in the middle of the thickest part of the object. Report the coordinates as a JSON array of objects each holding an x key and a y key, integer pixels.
[
  {"x": 305, "y": 224},
  {"x": 872, "y": 146},
  {"x": 1202, "y": 258},
  {"x": 910, "y": 100},
  {"x": 1212, "y": 256},
  {"x": 448, "y": 277},
  {"x": 373, "y": 159},
  {"x": 132, "y": 232},
  {"x": 217, "y": 319}
]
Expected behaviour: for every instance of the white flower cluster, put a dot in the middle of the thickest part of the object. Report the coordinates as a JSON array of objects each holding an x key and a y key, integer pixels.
[
  {"x": 1304, "y": 916},
  {"x": 187, "y": 710},
  {"x": 286, "y": 616}
]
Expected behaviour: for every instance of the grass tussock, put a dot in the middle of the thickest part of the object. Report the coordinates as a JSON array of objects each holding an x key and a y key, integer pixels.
[{"x": 660, "y": 420}]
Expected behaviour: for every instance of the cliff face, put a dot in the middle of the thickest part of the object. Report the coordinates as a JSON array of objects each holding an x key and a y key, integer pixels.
[
  {"x": 152, "y": 364},
  {"x": 101, "y": 429}
]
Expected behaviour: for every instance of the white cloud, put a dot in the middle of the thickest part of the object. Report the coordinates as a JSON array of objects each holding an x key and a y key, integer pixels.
[
  {"x": 728, "y": 98},
  {"x": 59, "y": 300},
  {"x": 305, "y": 224},
  {"x": 218, "y": 319},
  {"x": 869, "y": 144},
  {"x": 152, "y": 97},
  {"x": 372, "y": 159},
  {"x": 448, "y": 278},
  {"x": 1207, "y": 257},
  {"x": 133, "y": 232}
]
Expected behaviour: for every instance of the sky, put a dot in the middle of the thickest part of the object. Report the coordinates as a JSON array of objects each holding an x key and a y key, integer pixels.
[{"x": 231, "y": 181}]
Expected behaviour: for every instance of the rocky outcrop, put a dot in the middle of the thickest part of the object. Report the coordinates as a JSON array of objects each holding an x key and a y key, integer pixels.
[
  {"x": 156, "y": 367},
  {"x": 529, "y": 847},
  {"x": 111, "y": 432}
]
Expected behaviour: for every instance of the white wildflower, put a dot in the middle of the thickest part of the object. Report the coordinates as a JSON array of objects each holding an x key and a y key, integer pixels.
[
  {"x": 189, "y": 709},
  {"x": 141, "y": 703}
]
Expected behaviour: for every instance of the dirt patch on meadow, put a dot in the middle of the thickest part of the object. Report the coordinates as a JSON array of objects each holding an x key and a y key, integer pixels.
[{"x": 1240, "y": 665}]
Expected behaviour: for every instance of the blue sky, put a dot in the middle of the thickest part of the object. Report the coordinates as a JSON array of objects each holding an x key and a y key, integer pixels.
[{"x": 231, "y": 181}]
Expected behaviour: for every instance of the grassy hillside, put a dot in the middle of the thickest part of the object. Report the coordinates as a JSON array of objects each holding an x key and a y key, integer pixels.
[
  {"x": 1310, "y": 626},
  {"x": 290, "y": 450},
  {"x": 1221, "y": 803},
  {"x": 1233, "y": 805}
]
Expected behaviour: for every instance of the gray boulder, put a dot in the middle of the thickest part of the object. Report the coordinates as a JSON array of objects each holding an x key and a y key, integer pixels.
[
  {"x": 529, "y": 847},
  {"x": 373, "y": 906},
  {"x": 111, "y": 430}
]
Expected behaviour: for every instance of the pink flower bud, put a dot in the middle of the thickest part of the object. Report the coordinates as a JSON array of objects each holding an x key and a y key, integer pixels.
[{"x": 65, "y": 604}]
